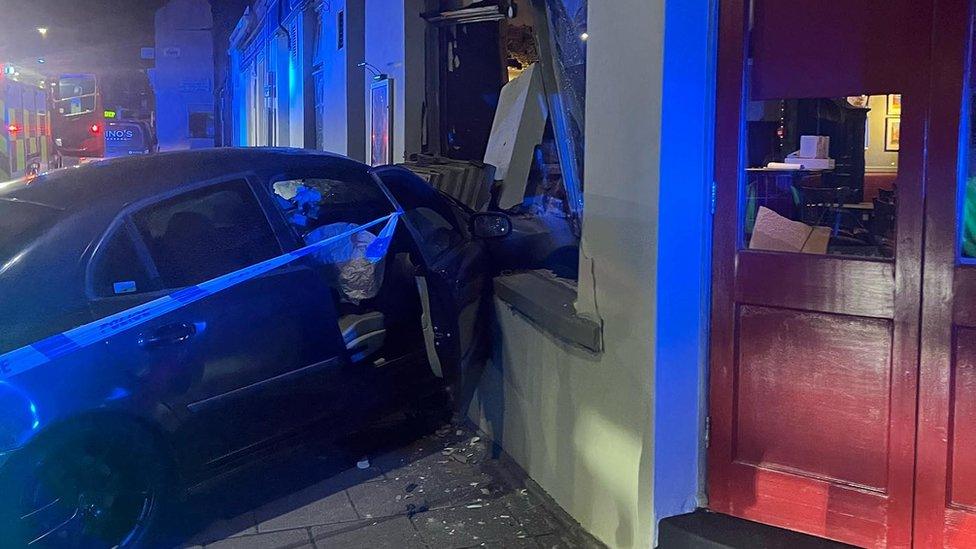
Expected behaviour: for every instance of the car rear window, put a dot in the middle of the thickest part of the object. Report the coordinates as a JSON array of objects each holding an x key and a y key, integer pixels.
[{"x": 21, "y": 222}]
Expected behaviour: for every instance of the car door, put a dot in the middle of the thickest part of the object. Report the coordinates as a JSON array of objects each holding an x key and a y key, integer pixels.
[
  {"x": 239, "y": 366},
  {"x": 454, "y": 283}
]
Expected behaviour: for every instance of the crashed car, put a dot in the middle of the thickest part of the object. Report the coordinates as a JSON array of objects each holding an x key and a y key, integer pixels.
[{"x": 94, "y": 437}]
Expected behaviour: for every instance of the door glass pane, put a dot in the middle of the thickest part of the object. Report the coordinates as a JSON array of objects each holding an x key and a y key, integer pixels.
[
  {"x": 968, "y": 184},
  {"x": 118, "y": 267},
  {"x": 206, "y": 233},
  {"x": 820, "y": 175}
]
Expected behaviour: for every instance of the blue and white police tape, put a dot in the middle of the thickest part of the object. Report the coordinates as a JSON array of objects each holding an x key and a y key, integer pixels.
[{"x": 33, "y": 355}]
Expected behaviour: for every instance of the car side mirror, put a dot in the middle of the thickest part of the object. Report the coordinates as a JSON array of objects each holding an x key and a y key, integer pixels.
[{"x": 490, "y": 225}]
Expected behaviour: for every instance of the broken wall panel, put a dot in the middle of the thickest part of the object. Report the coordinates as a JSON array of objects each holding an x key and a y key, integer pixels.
[{"x": 561, "y": 35}]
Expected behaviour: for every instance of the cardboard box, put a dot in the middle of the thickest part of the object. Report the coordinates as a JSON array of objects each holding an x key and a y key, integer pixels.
[
  {"x": 775, "y": 233},
  {"x": 814, "y": 146}
]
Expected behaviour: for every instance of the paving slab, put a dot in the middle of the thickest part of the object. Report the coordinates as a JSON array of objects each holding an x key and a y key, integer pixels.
[
  {"x": 469, "y": 525},
  {"x": 314, "y": 506},
  {"x": 286, "y": 539},
  {"x": 390, "y": 532},
  {"x": 385, "y": 498}
]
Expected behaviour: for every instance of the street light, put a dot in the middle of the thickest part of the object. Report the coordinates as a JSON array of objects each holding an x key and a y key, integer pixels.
[{"x": 43, "y": 31}]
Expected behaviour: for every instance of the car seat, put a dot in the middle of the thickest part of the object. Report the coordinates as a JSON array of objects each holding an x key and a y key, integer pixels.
[{"x": 363, "y": 334}]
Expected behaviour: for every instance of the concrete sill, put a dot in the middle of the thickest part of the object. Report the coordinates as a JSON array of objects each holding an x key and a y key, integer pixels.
[{"x": 548, "y": 302}]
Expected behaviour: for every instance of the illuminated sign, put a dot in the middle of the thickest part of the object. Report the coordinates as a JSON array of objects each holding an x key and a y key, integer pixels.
[
  {"x": 119, "y": 135},
  {"x": 109, "y": 114}
]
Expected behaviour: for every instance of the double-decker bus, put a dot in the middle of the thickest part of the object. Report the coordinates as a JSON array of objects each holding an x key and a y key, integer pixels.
[
  {"x": 78, "y": 120},
  {"x": 25, "y": 138}
]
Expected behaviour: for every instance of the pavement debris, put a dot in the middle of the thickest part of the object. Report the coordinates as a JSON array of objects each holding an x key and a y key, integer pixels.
[{"x": 440, "y": 489}]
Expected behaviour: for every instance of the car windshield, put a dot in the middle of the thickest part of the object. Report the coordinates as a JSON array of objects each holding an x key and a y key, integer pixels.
[{"x": 21, "y": 222}]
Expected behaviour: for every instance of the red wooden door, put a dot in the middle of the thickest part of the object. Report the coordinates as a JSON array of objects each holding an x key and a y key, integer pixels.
[
  {"x": 945, "y": 500},
  {"x": 814, "y": 358}
]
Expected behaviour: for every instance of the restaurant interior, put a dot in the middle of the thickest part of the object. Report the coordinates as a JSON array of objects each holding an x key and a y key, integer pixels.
[{"x": 821, "y": 175}]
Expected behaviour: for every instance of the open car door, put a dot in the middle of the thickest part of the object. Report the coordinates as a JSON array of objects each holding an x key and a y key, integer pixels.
[{"x": 453, "y": 278}]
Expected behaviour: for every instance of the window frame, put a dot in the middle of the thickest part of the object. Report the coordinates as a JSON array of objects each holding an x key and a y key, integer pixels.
[
  {"x": 119, "y": 225},
  {"x": 125, "y": 217}
]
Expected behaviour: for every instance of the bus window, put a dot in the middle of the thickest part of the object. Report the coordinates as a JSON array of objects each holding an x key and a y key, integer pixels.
[{"x": 76, "y": 95}]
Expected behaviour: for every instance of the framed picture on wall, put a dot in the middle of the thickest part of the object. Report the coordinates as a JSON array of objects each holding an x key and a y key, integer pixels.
[
  {"x": 381, "y": 122},
  {"x": 892, "y": 134},
  {"x": 894, "y": 104}
]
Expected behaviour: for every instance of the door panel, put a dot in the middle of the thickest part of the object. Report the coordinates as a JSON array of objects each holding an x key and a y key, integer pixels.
[
  {"x": 791, "y": 363},
  {"x": 814, "y": 357},
  {"x": 843, "y": 391},
  {"x": 241, "y": 365},
  {"x": 962, "y": 482},
  {"x": 946, "y": 471},
  {"x": 814, "y": 281},
  {"x": 945, "y": 476},
  {"x": 455, "y": 267},
  {"x": 248, "y": 372},
  {"x": 792, "y": 60}
]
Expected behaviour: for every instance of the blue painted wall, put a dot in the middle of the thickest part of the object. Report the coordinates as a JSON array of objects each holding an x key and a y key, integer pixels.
[{"x": 684, "y": 255}]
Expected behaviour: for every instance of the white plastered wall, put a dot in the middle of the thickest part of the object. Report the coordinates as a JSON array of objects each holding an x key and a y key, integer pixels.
[{"x": 582, "y": 424}]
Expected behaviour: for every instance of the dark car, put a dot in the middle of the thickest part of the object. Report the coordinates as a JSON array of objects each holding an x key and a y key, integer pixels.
[{"x": 94, "y": 439}]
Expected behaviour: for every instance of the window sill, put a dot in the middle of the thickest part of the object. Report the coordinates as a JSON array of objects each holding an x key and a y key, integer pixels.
[{"x": 548, "y": 302}]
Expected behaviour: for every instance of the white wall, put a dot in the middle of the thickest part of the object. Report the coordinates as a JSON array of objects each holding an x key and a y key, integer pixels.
[
  {"x": 582, "y": 425},
  {"x": 183, "y": 77},
  {"x": 395, "y": 45}
]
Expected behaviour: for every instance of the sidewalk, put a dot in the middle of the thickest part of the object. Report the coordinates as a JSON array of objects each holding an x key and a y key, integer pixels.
[{"x": 422, "y": 489}]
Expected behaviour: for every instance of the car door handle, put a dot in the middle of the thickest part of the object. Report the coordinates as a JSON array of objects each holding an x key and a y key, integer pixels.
[{"x": 171, "y": 334}]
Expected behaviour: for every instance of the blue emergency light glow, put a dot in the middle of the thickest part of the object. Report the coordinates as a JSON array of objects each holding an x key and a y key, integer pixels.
[{"x": 48, "y": 349}]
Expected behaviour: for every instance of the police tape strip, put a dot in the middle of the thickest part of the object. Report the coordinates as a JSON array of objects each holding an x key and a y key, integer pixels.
[{"x": 48, "y": 349}]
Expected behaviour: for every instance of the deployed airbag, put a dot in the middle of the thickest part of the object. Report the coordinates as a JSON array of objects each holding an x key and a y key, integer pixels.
[{"x": 353, "y": 273}]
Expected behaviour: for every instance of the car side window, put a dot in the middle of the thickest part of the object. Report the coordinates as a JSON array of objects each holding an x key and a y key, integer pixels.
[
  {"x": 118, "y": 269},
  {"x": 312, "y": 202},
  {"x": 205, "y": 233}
]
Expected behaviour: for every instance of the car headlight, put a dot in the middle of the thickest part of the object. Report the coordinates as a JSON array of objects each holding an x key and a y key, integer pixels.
[{"x": 18, "y": 417}]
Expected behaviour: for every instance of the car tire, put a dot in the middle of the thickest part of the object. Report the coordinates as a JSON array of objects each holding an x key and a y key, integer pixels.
[{"x": 93, "y": 484}]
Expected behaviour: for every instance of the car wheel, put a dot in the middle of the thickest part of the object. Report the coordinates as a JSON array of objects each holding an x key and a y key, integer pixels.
[{"x": 85, "y": 488}]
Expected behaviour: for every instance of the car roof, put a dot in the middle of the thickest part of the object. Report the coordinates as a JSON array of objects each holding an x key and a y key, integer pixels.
[{"x": 119, "y": 181}]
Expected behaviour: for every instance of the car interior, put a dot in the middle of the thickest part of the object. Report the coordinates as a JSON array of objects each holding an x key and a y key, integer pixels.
[{"x": 378, "y": 303}]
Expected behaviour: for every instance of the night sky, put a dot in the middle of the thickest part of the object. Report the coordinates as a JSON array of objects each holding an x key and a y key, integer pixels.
[{"x": 83, "y": 35}]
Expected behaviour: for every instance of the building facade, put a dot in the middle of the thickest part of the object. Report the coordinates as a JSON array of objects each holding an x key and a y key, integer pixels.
[
  {"x": 301, "y": 72},
  {"x": 582, "y": 424},
  {"x": 785, "y": 321},
  {"x": 183, "y": 77}
]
